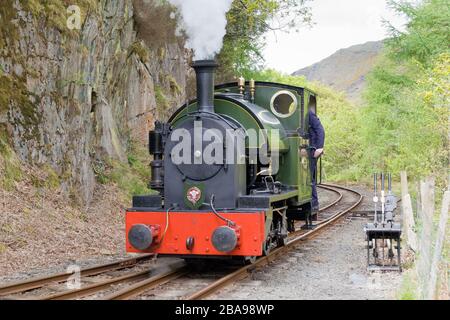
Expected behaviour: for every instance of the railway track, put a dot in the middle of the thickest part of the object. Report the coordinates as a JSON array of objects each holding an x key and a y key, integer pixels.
[
  {"x": 295, "y": 239},
  {"x": 36, "y": 283},
  {"x": 143, "y": 283}
]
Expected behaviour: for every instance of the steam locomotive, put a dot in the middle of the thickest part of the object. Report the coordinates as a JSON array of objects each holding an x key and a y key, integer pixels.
[{"x": 244, "y": 199}]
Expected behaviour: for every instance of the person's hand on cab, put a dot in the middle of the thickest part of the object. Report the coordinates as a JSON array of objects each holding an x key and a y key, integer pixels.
[{"x": 318, "y": 153}]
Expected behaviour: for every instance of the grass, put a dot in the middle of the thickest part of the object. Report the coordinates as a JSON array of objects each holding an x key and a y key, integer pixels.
[
  {"x": 12, "y": 172},
  {"x": 51, "y": 180},
  {"x": 11, "y": 169},
  {"x": 126, "y": 178},
  {"x": 162, "y": 102},
  {"x": 9, "y": 164},
  {"x": 139, "y": 48},
  {"x": 132, "y": 176},
  {"x": 174, "y": 86},
  {"x": 408, "y": 288}
]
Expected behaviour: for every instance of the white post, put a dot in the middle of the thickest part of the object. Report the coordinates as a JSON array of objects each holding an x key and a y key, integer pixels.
[
  {"x": 424, "y": 263},
  {"x": 408, "y": 214},
  {"x": 409, "y": 224},
  {"x": 438, "y": 247},
  {"x": 418, "y": 215},
  {"x": 404, "y": 183}
]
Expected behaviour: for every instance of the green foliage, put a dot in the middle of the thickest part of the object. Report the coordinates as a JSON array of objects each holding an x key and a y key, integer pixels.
[
  {"x": 405, "y": 120},
  {"x": 408, "y": 288},
  {"x": 271, "y": 75},
  {"x": 162, "y": 102},
  {"x": 53, "y": 10},
  {"x": 248, "y": 22},
  {"x": 127, "y": 179},
  {"x": 139, "y": 48},
  {"x": 132, "y": 176},
  {"x": 10, "y": 168},
  {"x": 175, "y": 88},
  {"x": 427, "y": 32},
  {"x": 50, "y": 181},
  {"x": 7, "y": 28}
]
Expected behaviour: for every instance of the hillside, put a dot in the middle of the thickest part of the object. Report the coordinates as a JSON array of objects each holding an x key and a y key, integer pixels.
[{"x": 346, "y": 69}]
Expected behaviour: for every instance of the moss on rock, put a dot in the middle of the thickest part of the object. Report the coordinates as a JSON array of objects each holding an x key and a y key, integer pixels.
[
  {"x": 13, "y": 92},
  {"x": 139, "y": 48},
  {"x": 10, "y": 166},
  {"x": 8, "y": 29},
  {"x": 162, "y": 102},
  {"x": 55, "y": 11}
]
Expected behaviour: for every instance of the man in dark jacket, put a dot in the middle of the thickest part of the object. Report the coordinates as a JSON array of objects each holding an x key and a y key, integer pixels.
[{"x": 316, "y": 135}]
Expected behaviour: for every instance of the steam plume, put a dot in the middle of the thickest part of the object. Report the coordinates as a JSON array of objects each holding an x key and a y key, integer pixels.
[{"x": 204, "y": 22}]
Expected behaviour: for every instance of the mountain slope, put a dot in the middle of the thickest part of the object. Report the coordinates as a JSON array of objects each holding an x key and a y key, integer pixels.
[{"x": 346, "y": 69}]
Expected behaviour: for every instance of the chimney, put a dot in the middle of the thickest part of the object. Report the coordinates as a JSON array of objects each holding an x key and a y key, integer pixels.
[{"x": 205, "y": 70}]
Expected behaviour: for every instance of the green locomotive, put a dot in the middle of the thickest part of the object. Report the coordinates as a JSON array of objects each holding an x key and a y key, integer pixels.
[{"x": 240, "y": 208}]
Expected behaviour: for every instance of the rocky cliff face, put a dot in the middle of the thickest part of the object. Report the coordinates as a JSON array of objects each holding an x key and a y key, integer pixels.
[
  {"x": 346, "y": 69},
  {"x": 73, "y": 98}
]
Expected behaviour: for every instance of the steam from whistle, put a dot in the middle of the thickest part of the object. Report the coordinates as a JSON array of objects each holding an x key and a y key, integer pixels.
[{"x": 204, "y": 22}]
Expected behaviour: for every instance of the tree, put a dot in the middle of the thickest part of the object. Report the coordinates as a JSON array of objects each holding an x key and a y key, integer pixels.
[
  {"x": 248, "y": 22},
  {"x": 405, "y": 120},
  {"x": 427, "y": 33}
]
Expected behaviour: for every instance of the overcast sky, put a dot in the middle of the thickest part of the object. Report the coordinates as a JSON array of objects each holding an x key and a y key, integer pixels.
[{"x": 338, "y": 24}]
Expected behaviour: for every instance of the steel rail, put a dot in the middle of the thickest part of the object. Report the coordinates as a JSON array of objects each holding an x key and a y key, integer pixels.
[
  {"x": 96, "y": 287},
  {"x": 326, "y": 187},
  {"x": 243, "y": 272},
  {"x": 142, "y": 286},
  {"x": 39, "y": 282},
  {"x": 340, "y": 196},
  {"x": 102, "y": 285}
]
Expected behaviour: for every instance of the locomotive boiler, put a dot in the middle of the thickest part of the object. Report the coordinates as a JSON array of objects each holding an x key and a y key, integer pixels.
[{"x": 229, "y": 171}]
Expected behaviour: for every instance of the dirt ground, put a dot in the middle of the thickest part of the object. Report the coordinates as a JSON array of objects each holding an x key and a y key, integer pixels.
[
  {"x": 42, "y": 229},
  {"x": 333, "y": 266}
]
